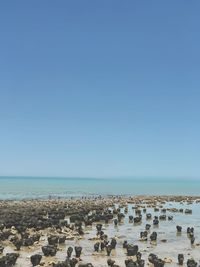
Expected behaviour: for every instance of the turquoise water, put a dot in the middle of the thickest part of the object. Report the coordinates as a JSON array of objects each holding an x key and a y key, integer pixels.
[{"x": 44, "y": 187}]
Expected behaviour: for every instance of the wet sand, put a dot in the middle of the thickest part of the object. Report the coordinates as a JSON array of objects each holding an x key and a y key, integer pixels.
[{"x": 167, "y": 247}]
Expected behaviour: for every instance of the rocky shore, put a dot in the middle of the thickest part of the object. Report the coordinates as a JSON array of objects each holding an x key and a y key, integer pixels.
[{"x": 115, "y": 231}]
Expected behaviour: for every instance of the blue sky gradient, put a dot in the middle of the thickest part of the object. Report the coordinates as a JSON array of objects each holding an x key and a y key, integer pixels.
[{"x": 100, "y": 88}]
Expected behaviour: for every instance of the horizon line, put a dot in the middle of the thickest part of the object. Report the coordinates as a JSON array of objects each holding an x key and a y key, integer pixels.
[{"x": 99, "y": 177}]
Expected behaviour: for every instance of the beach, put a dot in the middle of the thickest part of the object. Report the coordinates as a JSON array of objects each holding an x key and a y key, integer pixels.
[{"x": 100, "y": 226}]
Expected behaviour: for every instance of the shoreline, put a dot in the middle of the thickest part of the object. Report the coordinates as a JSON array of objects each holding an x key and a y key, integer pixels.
[{"x": 106, "y": 196}]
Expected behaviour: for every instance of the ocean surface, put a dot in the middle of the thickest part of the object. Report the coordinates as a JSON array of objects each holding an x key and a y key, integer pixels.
[{"x": 45, "y": 187}]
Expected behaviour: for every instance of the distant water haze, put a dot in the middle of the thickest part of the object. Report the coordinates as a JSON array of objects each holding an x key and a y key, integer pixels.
[{"x": 44, "y": 187}]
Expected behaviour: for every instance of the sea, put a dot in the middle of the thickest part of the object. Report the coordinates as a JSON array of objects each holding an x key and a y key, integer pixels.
[{"x": 19, "y": 188}]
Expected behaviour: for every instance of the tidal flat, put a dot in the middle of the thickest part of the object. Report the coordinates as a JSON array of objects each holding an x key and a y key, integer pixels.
[{"x": 101, "y": 231}]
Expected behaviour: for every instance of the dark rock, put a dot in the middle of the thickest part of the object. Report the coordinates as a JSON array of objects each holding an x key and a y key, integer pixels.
[
  {"x": 180, "y": 259},
  {"x": 69, "y": 252},
  {"x": 126, "y": 210},
  {"x": 192, "y": 240},
  {"x": 155, "y": 221},
  {"x": 62, "y": 239},
  {"x": 108, "y": 250},
  {"x": 73, "y": 262},
  {"x": 35, "y": 259},
  {"x": 138, "y": 212},
  {"x": 130, "y": 263},
  {"x": 96, "y": 247},
  {"x": 191, "y": 263},
  {"x": 155, "y": 261},
  {"x": 132, "y": 250},
  {"x": 188, "y": 211},
  {"x": 78, "y": 251},
  {"x": 62, "y": 264},
  {"x": 110, "y": 262},
  {"x": 138, "y": 256},
  {"x": 17, "y": 243},
  {"x": 147, "y": 227},
  {"x": 143, "y": 234},
  {"x": 130, "y": 218},
  {"x": 102, "y": 245},
  {"x": 159, "y": 263},
  {"x": 153, "y": 236},
  {"x": 115, "y": 222},
  {"x": 120, "y": 216},
  {"x": 11, "y": 258},
  {"x": 28, "y": 242},
  {"x": 162, "y": 217},
  {"x": 137, "y": 219},
  {"x": 53, "y": 240},
  {"x": 190, "y": 230},
  {"x": 99, "y": 227},
  {"x": 1, "y": 249},
  {"x": 113, "y": 243},
  {"x": 152, "y": 257},
  {"x": 49, "y": 250},
  {"x": 75, "y": 217},
  {"x": 148, "y": 216},
  {"x": 3, "y": 261}
]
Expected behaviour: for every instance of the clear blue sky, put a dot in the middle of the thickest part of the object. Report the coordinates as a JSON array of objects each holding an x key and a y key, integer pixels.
[{"x": 100, "y": 88}]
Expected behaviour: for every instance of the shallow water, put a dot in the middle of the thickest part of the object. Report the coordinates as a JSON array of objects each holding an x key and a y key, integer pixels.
[{"x": 128, "y": 231}]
